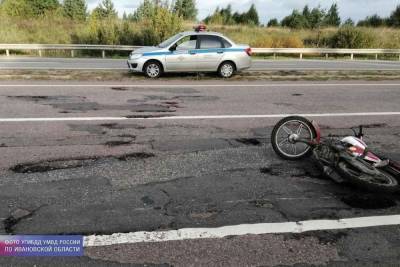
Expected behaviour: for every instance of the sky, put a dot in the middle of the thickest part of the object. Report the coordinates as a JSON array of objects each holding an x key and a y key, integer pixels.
[{"x": 354, "y": 9}]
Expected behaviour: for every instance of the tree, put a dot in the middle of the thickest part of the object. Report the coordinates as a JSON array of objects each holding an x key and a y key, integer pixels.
[
  {"x": 16, "y": 8},
  {"x": 307, "y": 13},
  {"x": 75, "y": 9},
  {"x": 186, "y": 9},
  {"x": 124, "y": 16},
  {"x": 224, "y": 16},
  {"x": 394, "y": 19},
  {"x": 348, "y": 22},
  {"x": 296, "y": 21},
  {"x": 372, "y": 21},
  {"x": 273, "y": 23},
  {"x": 332, "y": 17},
  {"x": 316, "y": 17},
  {"x": 352, "y": 37},
  {"x": 252, "y": 16},
  {"x": 28, "y": 8},
  {"x": 145, "y": 10},
  {"x": 40, "y": 7},
  {"x": 105, "y": 10}
]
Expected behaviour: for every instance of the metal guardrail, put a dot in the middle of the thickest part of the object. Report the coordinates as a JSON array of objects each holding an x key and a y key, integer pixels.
[
  {"x": 273, "y": 51},
  {"x": 326, "y": 51},
  {"x": 71, "y": 47}
]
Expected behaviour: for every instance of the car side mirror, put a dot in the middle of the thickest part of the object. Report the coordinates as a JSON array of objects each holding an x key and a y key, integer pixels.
[{"x": 172, "y": 48}]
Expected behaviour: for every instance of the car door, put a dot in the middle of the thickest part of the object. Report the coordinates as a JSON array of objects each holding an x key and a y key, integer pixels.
[
  {"x": 183, "y": 55},
  {"x": 211, "y": 50}
]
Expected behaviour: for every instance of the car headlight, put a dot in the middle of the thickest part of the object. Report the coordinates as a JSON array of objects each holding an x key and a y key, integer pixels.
[{"x": 135, "y": 56}]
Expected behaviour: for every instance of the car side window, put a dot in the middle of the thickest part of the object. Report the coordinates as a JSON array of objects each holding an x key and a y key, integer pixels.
[
  {"x": 210, "y": 41},
  {"x": 186, "y": 43},
  {"x": 226, "y": 43}
]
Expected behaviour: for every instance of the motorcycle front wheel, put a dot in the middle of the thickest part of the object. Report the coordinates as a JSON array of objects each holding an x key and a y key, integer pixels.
[
  {"x": 285, "y": 134},
  {"x": 382, "y": 181}
]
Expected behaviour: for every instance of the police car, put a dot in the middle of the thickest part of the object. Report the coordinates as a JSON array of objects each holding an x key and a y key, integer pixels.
[{"x": 195, "y": 51}]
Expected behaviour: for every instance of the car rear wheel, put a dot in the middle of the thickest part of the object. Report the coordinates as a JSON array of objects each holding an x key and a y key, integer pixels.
[
  {"x": 153, "y": 69},
  {"x": 226, "y": 69}
]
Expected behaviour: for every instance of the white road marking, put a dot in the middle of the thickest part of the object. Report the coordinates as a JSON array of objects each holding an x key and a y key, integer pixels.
[
  {"x": 63, "y": 119},
  {"x": 324, "y": 69},
  {"x": 58, "y": 68},
  {"x": 355, "y": 61},
  {"x": 199, "y": 117},
  {"x": 392, "y": 68},
  {"x": 206, "y": 85},
  {"x": 239, "y": 230}
]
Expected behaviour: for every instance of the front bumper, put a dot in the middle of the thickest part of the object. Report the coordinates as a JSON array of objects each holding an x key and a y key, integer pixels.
[{"x": 135, "y": 65}]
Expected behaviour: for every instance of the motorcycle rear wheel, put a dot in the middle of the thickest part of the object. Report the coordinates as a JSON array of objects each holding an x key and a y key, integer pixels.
[
  {"x": 382, "y": 182},
  {"x": 286, "y": 148}
]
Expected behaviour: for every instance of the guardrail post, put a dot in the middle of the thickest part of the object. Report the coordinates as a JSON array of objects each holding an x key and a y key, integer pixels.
[
  {"x": 72, "y": 53},
  {"x": 376, "y": 56},
  {"x": 326, "y": 56},
  {"x": 8, "y": 53},
  {"x": 351, "y": 56},
  {"x": 274, "y": 55},
  {"x": 40, "y": 53},
  {"x": 301, "y": 55},
  {"x": 103, "y": 53}
]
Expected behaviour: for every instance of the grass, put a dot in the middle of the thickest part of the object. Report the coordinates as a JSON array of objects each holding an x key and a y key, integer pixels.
[
  {"x": 124, "y": 76},
  {"x": 279, "y": 37},
  {"x": 59, "y": 30}
]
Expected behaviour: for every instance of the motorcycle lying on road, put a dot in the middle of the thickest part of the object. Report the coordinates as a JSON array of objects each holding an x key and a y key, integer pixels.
[{"x": 343, "y": 160}]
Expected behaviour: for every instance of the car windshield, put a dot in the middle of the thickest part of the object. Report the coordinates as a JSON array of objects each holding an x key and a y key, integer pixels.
[{"x": 170, "y": 41}]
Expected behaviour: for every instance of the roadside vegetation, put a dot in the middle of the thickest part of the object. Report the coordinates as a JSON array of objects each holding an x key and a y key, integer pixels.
[{"x": 69, "y": 21}]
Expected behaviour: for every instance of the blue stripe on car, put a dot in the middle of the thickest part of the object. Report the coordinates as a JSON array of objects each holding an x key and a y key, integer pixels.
[{"x": 197, "y": 51}]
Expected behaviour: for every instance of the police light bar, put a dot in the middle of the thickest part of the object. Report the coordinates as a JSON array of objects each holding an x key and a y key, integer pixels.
[{"x": 200, "y": 28}]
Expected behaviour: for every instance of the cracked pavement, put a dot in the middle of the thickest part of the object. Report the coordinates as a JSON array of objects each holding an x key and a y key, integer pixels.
[{"x": 100, "y": 177}]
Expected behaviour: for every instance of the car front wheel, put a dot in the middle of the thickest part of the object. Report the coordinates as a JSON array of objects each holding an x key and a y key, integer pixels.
[
  {"x": 226, "y": 69},
  {"x": 153, "y": 69}
]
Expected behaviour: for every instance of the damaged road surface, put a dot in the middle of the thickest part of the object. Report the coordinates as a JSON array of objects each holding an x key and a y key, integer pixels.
[{"x": 161, "y": 168}]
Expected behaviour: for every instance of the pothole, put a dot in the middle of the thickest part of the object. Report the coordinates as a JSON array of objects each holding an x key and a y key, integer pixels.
[
  {"x": 375, "y": 125},
  {"x": 16, "y": 217},
  {"x": 282, "y": 104},
  {"x": 53, "y": 99},
  {"x": 172, "y": 104},
  {"x": 324, "y": 237},
  {"x": 136, "y": 155},
  {"x": 203, "y": 215},
  {"x": 147, "y": 200},
  {"x": 270, "y": 170},
  {"x": 151, "y": 108},
  {"x": 196, "y": 98},
  {"x": 47, "y": 166},
  {"x": 118, "y": 143},
  {"x": 119, "y": 88},
  {"x": 147, "y": 116},
  {"x": 249, "y": 141},
  {"x": 368, "y": 201},
  {"x": 261, "y": 203},
  {"x": 9, "y": 224}
]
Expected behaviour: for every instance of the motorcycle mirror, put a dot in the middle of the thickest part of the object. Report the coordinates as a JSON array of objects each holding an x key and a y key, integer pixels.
[{"x": 360, "y": 132}]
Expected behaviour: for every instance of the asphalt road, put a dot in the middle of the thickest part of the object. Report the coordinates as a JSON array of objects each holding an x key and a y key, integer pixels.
[
  {"x": 120, "y": 64},
  {"x": 86, "y": 176}
]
